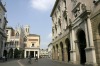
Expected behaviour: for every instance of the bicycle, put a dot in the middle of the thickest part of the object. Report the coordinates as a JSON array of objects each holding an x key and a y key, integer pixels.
[{"x": 29, "y": 61}]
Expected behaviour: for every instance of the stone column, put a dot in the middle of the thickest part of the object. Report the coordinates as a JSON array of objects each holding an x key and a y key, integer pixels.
[
  {"x": 60, "y": 55},
  {"x": 90, "y": 52},
  {"x": 38, "y": 53},
  {"x": 89, "y": 27},
  {"x": 34, "y": 53},
  {"x": 65, "y": 54},
  {"x": 25, "y": 54},
  {"x": 55, "y": 53},
  {"x": 72, "y": 51},
  {"x": 28, "y": 53},
  {"x": 86, "y": 35}
]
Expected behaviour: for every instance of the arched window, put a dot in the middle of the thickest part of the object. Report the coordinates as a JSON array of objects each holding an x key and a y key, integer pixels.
[
  {"x": 99, "y": 29},
  {"x": 26, "y": 29},
  {"x": 53, "y": 31},
  {"x": 64, "y": 1},
  {"x": 56, "y": 28},
  {"x": 17, "y": 34},
  {"x": 59, "y": 22}
]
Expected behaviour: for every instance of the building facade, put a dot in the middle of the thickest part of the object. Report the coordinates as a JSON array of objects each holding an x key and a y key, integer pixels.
[
  {"x": 44, "y": 53},
  {"x": 76, "y": 31},
  {"x": 15, "y": 39},
  {"x": 32, "y": 46},
  {"x": 3, "y": 36},
  {"x": 50, "y": 50}
]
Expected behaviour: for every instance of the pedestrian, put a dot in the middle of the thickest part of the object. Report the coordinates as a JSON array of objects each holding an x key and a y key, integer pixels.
[
  {"x": 3, "y": 58},
  {"x": 36, "y": 58}
]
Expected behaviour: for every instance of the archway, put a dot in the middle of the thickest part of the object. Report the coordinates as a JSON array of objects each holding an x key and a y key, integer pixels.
[
  {"x": 5, "y": 53},
  {"x": 81, "y": 46},
  {"x": 67, "y": 41},
  {"x": 62, "y": 51},
  {"x": 10, "y": 53}
]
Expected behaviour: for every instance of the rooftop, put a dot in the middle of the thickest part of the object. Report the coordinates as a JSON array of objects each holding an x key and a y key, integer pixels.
[
  {"x": 3, "y": 6},
  {"x": 33, "y": 35},
  {"x": 56, "y": 2}
]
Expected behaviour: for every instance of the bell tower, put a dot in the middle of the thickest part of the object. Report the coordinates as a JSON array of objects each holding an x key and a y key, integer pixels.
[{"x": 26, "y": 29}]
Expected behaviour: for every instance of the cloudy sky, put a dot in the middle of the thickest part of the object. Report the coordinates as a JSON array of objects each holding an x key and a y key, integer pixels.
[{"x": 35, "y": 13}]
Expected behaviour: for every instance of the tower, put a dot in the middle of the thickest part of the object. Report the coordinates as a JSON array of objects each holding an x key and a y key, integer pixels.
[{"x": 26, "y": 29}]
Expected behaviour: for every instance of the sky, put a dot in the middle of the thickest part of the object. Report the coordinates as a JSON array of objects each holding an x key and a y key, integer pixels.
[{"x": 35, "y": 13}]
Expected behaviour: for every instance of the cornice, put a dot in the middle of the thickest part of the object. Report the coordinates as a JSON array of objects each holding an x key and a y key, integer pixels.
[{"x": 54, "y": 8}]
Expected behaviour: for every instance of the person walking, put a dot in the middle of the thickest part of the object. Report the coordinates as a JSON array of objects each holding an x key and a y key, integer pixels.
[{"x": 36, "y": 58}]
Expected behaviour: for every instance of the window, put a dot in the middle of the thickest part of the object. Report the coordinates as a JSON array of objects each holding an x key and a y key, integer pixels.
[
  {"x": 16, "y": 43},
  {"x": 53, "y": 31},
  {"x": 59, "y": 22},
  {"x": 56, "y": 28},
  {"x": 4, "y": 25},
  {"x": 64, "y": 1},
  {"x": 7, "y": 31},
  {"x": 28, "y": 29},
  {"x": 32, "y": 45},
  {"x": 17, "y": 34},
  {"x": 25, "y": 45}
]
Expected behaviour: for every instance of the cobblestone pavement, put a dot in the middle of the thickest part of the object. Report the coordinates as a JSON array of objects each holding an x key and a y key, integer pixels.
[
  {"x": 40, "y": 62},
  {"x": 9, "y": 63},
  {"x": 45, "y": 62}
]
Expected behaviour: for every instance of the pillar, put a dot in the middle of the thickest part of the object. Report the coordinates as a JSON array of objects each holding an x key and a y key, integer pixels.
[
  {"x": 86, "y": 35},
  {"x": 65, "y": 53},
  {"x": 25, "y": 54},
  {"x": 28, "y": 53},
  {"x": 60, "y": 55},
  {"x": 38, "y": 53},
  {"x": 90, "y": 51},
  {"x": 56, "y": 53},
  {"x": 34, "y": 54},
  {"x": 72, "y": 51}
]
